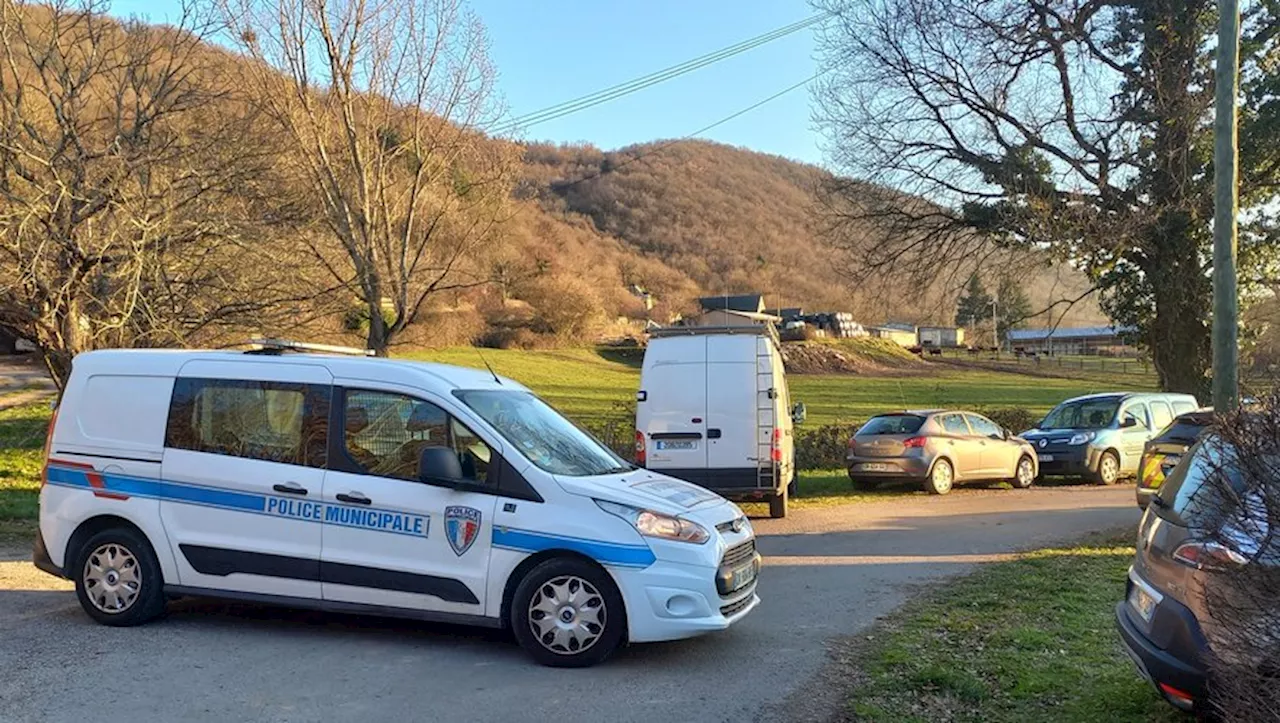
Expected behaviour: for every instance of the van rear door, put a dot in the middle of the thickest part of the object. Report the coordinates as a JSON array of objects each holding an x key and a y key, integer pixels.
[
  {"x": 739, "y": 412},
  {"x": 673, "y": 415}
]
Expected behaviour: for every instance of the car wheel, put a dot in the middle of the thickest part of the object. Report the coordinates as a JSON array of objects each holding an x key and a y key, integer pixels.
[
  {"x": 1025, "y": 474},
  {"x": 1108, "y": 469},
  {"x": 778, "y": 505},
  {"x": 118, "y": 579},
  {"x": 567, "y": 613},
  {"x": 940, "y": 478}
]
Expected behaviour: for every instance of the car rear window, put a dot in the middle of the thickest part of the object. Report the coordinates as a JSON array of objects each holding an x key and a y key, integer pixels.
[
  {"x": 892, "y": 424},
  {"x": 1188, "y": 495},
  {"x": 1185, "y": 429}
]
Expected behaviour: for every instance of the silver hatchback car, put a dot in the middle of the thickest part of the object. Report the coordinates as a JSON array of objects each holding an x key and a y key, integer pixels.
[{"x": 938, "y": 448}]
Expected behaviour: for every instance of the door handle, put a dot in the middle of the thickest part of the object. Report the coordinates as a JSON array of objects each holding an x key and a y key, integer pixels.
[
  {"x": 291, "y": 488},
  {"x": 355, "y": 498},
  {"x": 713, "y": 434}
]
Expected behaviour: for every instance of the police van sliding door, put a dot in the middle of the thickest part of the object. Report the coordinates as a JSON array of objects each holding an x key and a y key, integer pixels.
[
  {"x": 390, "y": 539},
  {"x": 242, "y": 474}
]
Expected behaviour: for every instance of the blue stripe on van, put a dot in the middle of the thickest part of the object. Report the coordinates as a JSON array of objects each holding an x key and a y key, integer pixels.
[
  {"x": 144, "y": 487},
  {"x": 373, "y": 519},
  {"x": 606, "y": 553}
]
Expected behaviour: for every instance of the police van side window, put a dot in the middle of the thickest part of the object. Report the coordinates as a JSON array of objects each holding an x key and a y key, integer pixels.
[
  {"x": 386, "y": 433},
  {"x": 268, "y": 421}
]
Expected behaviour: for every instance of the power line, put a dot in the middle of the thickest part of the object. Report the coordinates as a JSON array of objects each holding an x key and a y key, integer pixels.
[
  {"x": 575, "y": 105},
  {"x": 698, "y": 132}
]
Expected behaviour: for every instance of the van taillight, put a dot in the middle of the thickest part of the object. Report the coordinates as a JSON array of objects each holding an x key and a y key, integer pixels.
[
  {"x": 914, "y": 442},
  {"x": 48, "y": 447},
  {"x": 775, "y": 451},
  {"x": 640, "y": 452}
]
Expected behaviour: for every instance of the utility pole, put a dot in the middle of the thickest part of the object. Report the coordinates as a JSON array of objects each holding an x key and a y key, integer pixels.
[{"x": 1226, "y": 352}]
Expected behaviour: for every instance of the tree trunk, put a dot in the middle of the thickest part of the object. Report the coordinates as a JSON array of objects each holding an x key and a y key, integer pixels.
[{"x": 379, "y": 335}]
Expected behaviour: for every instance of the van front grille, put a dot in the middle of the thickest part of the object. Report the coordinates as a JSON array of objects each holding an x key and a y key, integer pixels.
[{"x": 739, "y": 554}]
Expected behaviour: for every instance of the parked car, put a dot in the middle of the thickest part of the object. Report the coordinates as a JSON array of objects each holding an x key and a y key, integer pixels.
[
  {"x": 937, "y": 449},
  {"x": 1164, "y": 620},
  {"x": 713, "y": 409},
  {"x": 1101, "y": 436},
  {"x": 1168, "y": 447}
]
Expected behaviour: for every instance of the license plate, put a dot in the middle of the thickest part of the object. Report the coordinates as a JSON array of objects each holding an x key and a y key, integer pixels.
[
  {"x": 742, "y": 577},
  {"x": 875, "y": 467},
  {"x": 678, "y": 444},
  {"x": 1142, "y": 603},
  {"x": 1049, "y": 458}
]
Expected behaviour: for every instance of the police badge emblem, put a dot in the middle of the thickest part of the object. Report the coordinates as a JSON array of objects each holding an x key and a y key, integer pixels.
[{"x": 461, "y": 528}]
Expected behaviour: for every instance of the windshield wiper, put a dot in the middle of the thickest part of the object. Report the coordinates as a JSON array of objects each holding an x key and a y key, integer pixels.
[{"x": 619, "y": 470}]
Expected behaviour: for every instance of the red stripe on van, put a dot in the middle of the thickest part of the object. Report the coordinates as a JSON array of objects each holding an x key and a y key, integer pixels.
[{"x": 96, "y": 481}]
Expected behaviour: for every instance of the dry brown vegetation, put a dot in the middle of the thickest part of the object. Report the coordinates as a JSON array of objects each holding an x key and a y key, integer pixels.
[{"x": 160, "y": 190}]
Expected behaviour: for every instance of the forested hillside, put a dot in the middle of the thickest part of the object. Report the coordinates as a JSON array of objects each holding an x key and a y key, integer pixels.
[{"x": 696, "y": 217}]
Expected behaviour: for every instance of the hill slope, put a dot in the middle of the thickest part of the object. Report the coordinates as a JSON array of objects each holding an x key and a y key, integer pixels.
[{"x": 696, "y": 217}]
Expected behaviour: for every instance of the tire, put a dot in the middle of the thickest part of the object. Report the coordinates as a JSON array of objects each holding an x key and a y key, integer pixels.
[
  {"x": 778, "y": 505},
  {"x": 600, "y": 623},
  {"x": 1108, "y": 472},
  {"x": 1024, "y": 475},
  {"x": 118, "y": 578},
  {"x": 941, "y": 478}
]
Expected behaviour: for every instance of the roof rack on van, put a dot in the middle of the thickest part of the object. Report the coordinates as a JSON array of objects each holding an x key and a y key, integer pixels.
[
  {"x": 754, "y": 329},
  {"x": 276, "y": 347}
]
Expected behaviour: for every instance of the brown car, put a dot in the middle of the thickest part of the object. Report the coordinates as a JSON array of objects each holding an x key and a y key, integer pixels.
[{"x": 938, "y": 448}]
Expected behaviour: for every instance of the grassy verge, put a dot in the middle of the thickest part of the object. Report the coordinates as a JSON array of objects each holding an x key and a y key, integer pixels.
[
  {"x": 1027, "y": 640},
  {"x": 22, "y": 432}
]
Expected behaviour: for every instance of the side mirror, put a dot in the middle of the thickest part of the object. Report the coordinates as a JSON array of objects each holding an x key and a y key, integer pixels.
[
  {"x": 439, "y": 466},
  {"x": 799, "y": 413},
  {"x": 1005, "y": 435},
  {"x": 1129, "y": 422}
]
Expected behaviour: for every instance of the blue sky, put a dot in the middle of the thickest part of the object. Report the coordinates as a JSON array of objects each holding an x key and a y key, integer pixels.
[{"x": 548, "y": 51}]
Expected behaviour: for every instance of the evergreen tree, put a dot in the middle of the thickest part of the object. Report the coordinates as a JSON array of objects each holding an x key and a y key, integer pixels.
[
  {"x": 1012, "y": 306},
  {"x": 975, "y": 305}
]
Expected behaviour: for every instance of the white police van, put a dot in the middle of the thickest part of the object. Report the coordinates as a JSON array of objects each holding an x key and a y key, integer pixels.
[{"x": 374, "y": 486}]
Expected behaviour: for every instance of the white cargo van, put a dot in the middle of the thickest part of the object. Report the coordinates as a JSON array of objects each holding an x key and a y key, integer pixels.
[
  {"x": 374, "y": 486},
  {"x": 713, "y": 409}
]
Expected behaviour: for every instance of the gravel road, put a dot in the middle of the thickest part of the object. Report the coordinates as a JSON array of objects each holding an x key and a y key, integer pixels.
[{"x": 828, "y": 573}]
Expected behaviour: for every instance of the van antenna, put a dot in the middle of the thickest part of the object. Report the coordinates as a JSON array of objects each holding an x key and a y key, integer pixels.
[{"x": 486, "y": 366}]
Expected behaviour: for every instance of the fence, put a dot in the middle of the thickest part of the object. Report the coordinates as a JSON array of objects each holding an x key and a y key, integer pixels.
[{"x": 1096, "y": 364}]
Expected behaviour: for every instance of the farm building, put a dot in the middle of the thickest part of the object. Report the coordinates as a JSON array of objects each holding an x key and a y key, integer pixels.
[
  {"x": 901, "y": 337},
  {"x": 946, "y": 337},
  {"x": 750, "y": 303},
  {"x": 739, "y": 310},
  {"x": 729, "y": 317},
  {"x": 1106, "y": 340}
]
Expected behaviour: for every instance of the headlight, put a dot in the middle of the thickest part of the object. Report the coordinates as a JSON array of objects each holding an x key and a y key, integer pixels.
[
  {"x": 656, "y": 524},
  {"x": 1080, "y": 438}
]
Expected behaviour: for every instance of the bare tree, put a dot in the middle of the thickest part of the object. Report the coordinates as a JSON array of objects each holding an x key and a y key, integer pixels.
[
  {"x": 380, "y": 99},
  {"x": 1076, "y": 128},
  {"x": 127, "y": 169}
]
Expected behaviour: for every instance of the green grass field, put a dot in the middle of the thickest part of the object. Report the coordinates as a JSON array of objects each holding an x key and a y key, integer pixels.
[
  {"x": 585, "y": 383},
  {"x": 1009, "y": 643}
]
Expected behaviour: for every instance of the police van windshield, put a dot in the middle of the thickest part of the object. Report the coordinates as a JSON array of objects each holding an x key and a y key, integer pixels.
[{"x": 549, "y": 440}]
